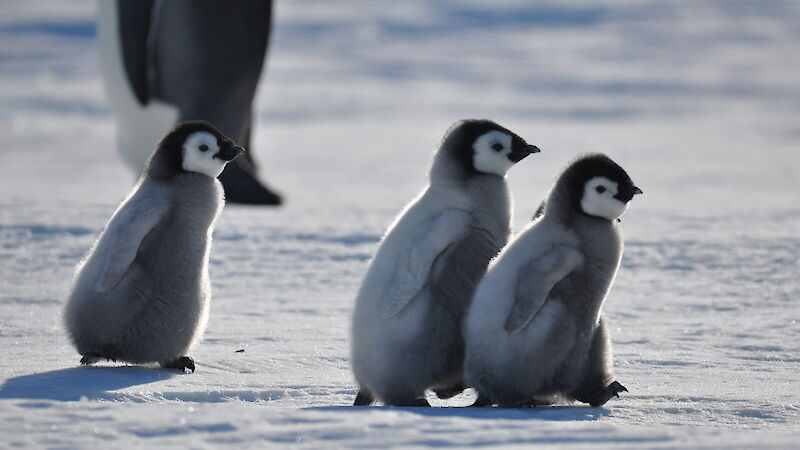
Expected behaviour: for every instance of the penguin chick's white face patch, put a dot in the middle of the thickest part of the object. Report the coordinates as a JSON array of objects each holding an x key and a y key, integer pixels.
[
  {"x": 198, "y": 154},
  {"x": 598, "y": 199},
  {"x": 491, "y": 153}
]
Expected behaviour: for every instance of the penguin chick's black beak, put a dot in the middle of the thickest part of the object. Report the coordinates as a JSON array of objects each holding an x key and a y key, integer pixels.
[
  {"x": 626, "y": 193},
  {"x": 520, "y": 152},
  {"x": 229, "y": 153}
]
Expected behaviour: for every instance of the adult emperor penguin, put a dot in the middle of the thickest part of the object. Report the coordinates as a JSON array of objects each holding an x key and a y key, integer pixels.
[
  {"x": 535, "y": 331},
  {"x": 406, "y": 332},
  {"x": 165, "y": 62},
  {"x": 142, "y": 293}
]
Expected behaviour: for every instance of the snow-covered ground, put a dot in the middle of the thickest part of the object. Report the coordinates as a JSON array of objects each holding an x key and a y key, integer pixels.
[{"x": 698, "y": 100}]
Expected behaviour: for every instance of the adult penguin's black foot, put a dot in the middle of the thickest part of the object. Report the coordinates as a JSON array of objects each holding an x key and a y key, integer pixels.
[{"x": 243, "y": 187}]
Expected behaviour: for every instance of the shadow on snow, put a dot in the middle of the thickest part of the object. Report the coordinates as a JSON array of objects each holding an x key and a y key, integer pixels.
[
  {"x": 552, "y": 413},
  {"x": 79, "y": 382}
]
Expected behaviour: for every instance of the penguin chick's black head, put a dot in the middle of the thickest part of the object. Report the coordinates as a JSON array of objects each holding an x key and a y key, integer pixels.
[
  {"x": 192, "y": 146},
  {"x": 483, "y": 146},
  {"x": 597, "y": 186}
]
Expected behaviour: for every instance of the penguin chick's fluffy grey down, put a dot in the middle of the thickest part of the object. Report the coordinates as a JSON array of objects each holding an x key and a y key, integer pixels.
[
  {"x": 406, "y": 332},
  {"x": 535, "y": 332},
  {"x": 142, "y": 293}
]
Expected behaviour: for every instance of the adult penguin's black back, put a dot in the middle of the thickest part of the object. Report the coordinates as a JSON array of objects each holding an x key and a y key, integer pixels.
[{"x": 204, "y": 58}]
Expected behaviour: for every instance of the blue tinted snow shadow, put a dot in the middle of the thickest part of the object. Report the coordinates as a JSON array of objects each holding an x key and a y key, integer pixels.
[
  {"x": 552, "y": 413},
  {"x": 82, "y": 29},
  {"x": 170, "y": 430},
  {"x": 77, "y": 382}
]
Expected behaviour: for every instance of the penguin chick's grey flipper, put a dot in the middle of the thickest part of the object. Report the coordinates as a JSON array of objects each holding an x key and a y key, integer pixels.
[
  {"x": 415, "y": 263},
  {"x": 535, "y": 280},
  {"x": 364, "y": 398},
  {"x": 126, "y": 236},
  {"x": 182, "y": 363}
]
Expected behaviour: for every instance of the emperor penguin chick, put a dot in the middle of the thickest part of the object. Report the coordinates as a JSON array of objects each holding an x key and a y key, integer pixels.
[
  {"x": 535, "y": 331},
  {"x": 142, "y": 293},
  {"x": 407, "y": 323}
]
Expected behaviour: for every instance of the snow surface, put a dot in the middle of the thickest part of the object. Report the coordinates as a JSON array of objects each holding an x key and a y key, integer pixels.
[{"x": 698, "y": 100}]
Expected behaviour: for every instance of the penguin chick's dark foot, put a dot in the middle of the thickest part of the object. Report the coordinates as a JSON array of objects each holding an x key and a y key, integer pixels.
[
  {"x": 92, "y": 357},
  {"x": 450, "y": 391},
  {"x": 420, "y": 402},
  {"x": 182, "y": 363},
  {"x": 417, "y": 402},
  {"x": 242, "y": 186},
  {"x": 89, "y": 360},
  {"x": 599, "y": 398},
  {"x": 528, "y": 404},
  {"x": 364, "y": 398},
  {"x": 481, "y": 401}
]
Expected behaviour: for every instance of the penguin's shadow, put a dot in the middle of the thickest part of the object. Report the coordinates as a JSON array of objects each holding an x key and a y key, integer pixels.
[
  {"x": 80, "y": 382},
  {"x": 551, "y": 413}
]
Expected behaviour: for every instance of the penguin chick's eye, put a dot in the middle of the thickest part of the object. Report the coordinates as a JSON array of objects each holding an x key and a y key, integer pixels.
[
  {"x": 498, "y": 147},
  {"x": 600, "y": 189},
  {"x": 203, "y": 148}
]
